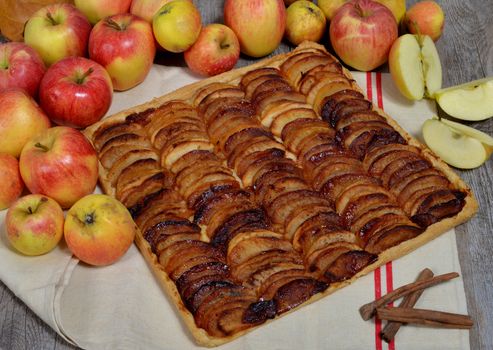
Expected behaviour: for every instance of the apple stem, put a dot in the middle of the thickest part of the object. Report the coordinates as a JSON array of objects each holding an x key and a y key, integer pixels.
[
  {"x": 29, "y": 210},
  {"x": 83, "y": 77},
  {"x": 223, "y": 45},
  {"x": 42, "y": 147},
  {"x": 360, "y": 10},
  {"x": 51, "y": 19},
  {"x": 111, "y": 23},
  {"x": 89, "y": 218}
]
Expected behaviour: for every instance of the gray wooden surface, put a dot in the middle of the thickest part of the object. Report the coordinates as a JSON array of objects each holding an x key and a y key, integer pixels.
[{"x": 466, "y": 52}]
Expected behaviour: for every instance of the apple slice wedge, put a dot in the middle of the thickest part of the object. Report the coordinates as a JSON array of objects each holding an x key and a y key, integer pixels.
[
  {"x": 415, "y": 66},
  {"x": 457, "y": 146},
  {"x": 470, "y": 101}
]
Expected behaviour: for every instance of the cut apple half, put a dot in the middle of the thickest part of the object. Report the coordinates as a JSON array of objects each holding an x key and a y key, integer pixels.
[
  {"x": 415, "y": 66},
  {"x": 460, "y": 146},
  {"x": 470, "y": 101}
]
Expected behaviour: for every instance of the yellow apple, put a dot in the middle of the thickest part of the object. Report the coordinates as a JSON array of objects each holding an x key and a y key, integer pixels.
[
  {"x": 398, "y": 7},
  {"x": 34, "y": 224},
  {"x": 415, "y": 66},
  {"x": 470, "y": 101},
  {"x": 460, "y": 149},
  {"x": 177, "y": 25},
  {"x": 99, "y": 229},
  {"x": 304, "y": 21},
  {"x": 329, "y": 7}
]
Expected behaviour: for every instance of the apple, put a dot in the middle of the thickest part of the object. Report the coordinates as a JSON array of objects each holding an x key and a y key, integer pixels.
[
  {"x": 20, "y": 67},
  {"x": 415, "y": 66},
  {"x": 362, "y": 32},
  {"x": 76, "y": 92},
  {"x": 329, "y": 7},
  {"x": 146, "y": 9},
  {"x": 398, "y": 8},
  {"x": 470, "y": 101},
  {"x": 485, "y": 139},
  {"x": 425, "y": 18},
  {"x": 95, "y": 10},
  {"x": 10, "y": 180},
  {"x": 258, "y": 24},
  {"x": 124, "y": 46},
  {"x": 57, "y": 31},
  {"x": 454, "y": 146},
  {"x": 60, "y": 163},
  {"x": 177, "y": 25},
  {"x": 34, "y": 224},
  {"x": 99, "y": 229},
  {"x": 304, "y": 21},
  {"x": 20, "y": 119},
  {"x": 216, "y": 51}
]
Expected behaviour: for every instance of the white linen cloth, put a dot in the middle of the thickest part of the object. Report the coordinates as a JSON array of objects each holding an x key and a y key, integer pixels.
[{"x": 122, "y": 306}]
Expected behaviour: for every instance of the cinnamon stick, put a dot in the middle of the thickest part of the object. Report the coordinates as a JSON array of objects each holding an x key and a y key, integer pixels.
[
  {"x": 392, "y": 327},
  {"x": 425, "y": 317},
  {"x": 368, "y": 310}
]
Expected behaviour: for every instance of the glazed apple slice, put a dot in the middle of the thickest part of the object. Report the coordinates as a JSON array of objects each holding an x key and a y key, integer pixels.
[
  {"x": 470, "y": 101},
  {"x": 415, "y": 66},
  {"x": 454, "y": 146}
]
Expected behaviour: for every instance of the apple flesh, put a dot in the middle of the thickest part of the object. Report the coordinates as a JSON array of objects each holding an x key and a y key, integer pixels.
[
  {"x": 425, "y": 18},
  {"x": 415, "y": 66},
  {"x": 20, "y": 119},
  {"x": 362, "y": 33},
  {"x": 10, "y": 180},
  {"x": 304, "y": 21},
  {"x": 34, "y": 224},
  {"x": 60, "y": 163},
  {"x": 216, "y": 51},
  {"x": 95, "y": 10},
  {"x": 176, "y": 25},
  {"x": 57, "y": 31},
  {"x": 76, "y": 92},
  {"x": 124, "y": 46},
  {"x": 453, "y": 146},
  {"x": 471, "y": 101},
  {"x": 99, "y": 229},
  {"x": 259, "y": 25},
  {"x": 20, "y": 67}
]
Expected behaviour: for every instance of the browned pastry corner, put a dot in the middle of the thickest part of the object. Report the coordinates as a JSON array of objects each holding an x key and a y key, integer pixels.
[{"x": 268, "y": 187}]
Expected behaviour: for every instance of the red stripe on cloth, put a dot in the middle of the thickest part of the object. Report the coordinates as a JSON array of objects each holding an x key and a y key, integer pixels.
[
  {"x": 378, "y": 293},
  {"x": 377, "y": 274},
  {"x": 388, "y": 267}
]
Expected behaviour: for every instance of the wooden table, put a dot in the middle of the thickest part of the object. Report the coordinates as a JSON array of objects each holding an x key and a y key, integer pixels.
[{"x": 466, "y": 52}]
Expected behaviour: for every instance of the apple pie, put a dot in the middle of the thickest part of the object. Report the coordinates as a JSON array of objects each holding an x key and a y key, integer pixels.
[{"x": 269, "y": 187}]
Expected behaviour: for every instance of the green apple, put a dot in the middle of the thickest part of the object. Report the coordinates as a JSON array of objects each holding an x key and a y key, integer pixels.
[
  {"x": 458, "y": 145},
  {"x": 470, "y": 101},
  {"x": 415, "y": 66}
]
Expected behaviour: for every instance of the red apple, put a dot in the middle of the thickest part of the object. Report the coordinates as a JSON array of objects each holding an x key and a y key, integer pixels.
[
  {"x": 99, "y": 229},
  {"x": 95, "y": 10},
  {"x": 20, "y": 67},
  {"x": 362, "y": 33},
  {"x": 11, "y": 184},
  {"x": 34, "y": 224},
  {"x": 216, "y": 51},
  {"x": 258, "y": 24},
  {"x": 60, "y": 163},
  {"x": 124, "y": 45},
  {"x": 76, "y": 92},
  {"x": 426, "y": 18},
  {"x": 57, "y": 31},
  {"x": 20, "y": 119}
]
